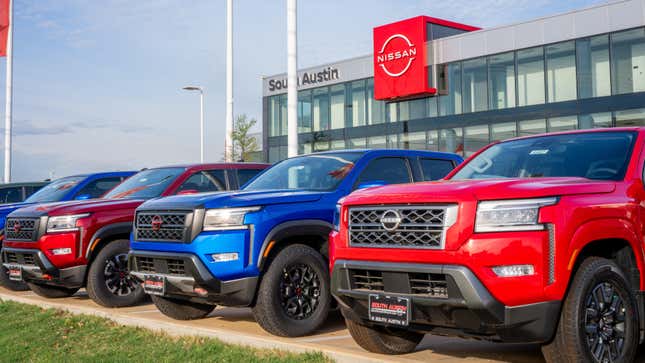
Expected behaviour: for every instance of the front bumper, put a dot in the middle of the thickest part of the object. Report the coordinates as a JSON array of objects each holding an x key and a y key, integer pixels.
[
  {"x": 36, "y": 267},
  {"x": 184, "y": 273},
  {"x": 466, "y": 308}
]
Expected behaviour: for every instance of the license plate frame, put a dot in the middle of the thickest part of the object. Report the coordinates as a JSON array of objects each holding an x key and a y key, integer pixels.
[
  {"x": 154, "y": 285},
  {"x": 389, "y": 310},
  {"x": 15, "y": 272}
]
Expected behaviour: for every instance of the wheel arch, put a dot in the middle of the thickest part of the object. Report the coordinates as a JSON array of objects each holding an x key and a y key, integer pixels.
[{"x": 106, "y": 234}]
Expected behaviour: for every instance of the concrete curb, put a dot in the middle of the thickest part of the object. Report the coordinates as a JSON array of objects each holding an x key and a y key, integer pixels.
[{"x": 177, "y": 329}]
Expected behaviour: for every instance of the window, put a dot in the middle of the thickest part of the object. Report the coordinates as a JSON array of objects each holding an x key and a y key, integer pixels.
[
  {"x": 501, "y": 89},
  {"x": 561, "y": 71},
  {"x": 283, "y": 114},
  {"x": 595, "y": 120},
  {"x": 630, "y": 117},
  {"x": 321, "y": 109},
  {"x": 274, "y": 116},
  {"x": 436, "y": 31},
  {"x": 357, "y": 143},
  {"x": 413, "y": 141},
  {"x": 377, "y": 142},
  {"x": 628, "y": 61},
  {"x": 386, "y": 170},
  {"x": 98, "y": 187},
  {"x": 244, "y": 175},
  {"x": 475, "y": 85},
  {"x": 451, "y": 140},
  {"x": 11, "y": 195},
  {"x": 450, "y": 89},
  {"x": 532, "y": 127},
  {"x": 338, "y": 144},
  {"x": 56, "y": 190},
  {"x": 413, "y": 109},
  {"x": 592, "y": 65},
  {"x": 304, "y": 111},
  {"x": 338, "y": 106},
  {"x": 203, "y": 181},
  {"x": 503, "y": 131},
  {"x": 530, "y": 76},
  {"x": 563, "y": 123},
  {"x": 433, "y": 140},
  {"x": 358, "y": 103},
  {"x": 475, "y": 138},
  {"x": 149, "y": 183},
  {"x": 435, "y": 169},
  {"x": 375, "y": 109}
]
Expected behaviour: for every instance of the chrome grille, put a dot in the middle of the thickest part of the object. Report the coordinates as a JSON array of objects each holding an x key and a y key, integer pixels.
[
  {"x": 21, "y": 229},
  {"x": 169, "y": 226},
  {"x": 410, "y": 226}
]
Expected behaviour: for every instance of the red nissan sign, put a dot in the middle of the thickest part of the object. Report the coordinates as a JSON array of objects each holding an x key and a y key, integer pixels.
[{"x": 400, "y": 59}]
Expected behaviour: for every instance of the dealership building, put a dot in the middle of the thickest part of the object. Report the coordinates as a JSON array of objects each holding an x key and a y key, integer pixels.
[{"x": 433, "y": 84}]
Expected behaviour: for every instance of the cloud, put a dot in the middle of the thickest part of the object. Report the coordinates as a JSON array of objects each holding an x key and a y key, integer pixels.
[{"x": 46, "y": 127}]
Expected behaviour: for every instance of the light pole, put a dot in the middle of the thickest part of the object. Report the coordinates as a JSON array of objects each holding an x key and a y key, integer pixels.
[{"x": 201, "y": 119}]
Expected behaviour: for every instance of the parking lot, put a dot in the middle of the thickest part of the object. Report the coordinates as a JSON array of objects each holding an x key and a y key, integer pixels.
[{"x": 236, "y": 325}]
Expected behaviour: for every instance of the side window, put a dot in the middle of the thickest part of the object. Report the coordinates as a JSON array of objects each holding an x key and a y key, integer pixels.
[
  {"x": 244, "y": 175},
  {"x": 388, "y": 170},
  {"x": 98, "y": 187},
  {"x": 11, "y": 195},
  {"x": 435, "y": 169},
  {"x": 204, "y": 181}
]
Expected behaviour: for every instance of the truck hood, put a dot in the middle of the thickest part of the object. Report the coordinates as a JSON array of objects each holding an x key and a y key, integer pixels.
[
  {"x": 232, "y": 199},
  {"x": 487, "y": 189},
  {"x": 77, "y": 207},
  {"x": 5, "y": 209}
]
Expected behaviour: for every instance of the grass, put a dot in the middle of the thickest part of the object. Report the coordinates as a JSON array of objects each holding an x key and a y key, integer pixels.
[{"x": 32, "y": 334}]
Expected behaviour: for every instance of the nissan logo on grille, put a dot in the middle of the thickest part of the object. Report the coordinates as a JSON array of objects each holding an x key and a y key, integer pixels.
[
  {"x": 156, "y": 222},
  {"x": 17, "y": 227},
  {"x": 390, "y": 220}
]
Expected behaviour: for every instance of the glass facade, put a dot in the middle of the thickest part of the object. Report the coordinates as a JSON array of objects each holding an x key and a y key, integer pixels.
[{"x": 530, "y": 91}]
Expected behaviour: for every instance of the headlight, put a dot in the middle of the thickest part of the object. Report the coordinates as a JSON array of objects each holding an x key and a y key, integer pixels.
[
  {"x": 64, "y": 223},
  {"x": 511, "y": 215},
  {"x": 226, "y": 218},
  {"x": 336, "y": 220}
]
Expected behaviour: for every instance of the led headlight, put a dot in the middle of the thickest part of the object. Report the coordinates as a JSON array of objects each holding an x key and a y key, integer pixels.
[
  {"x": 64, "y": 223},
  {"x": 336, "y": 220},
  {"x": 226, "y": 218},
  {"x": 511, "y": 215}
]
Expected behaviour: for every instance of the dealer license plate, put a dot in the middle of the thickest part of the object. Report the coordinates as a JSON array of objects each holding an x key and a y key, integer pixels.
[
  {"x": 154, "y": 285},
  {"x": 391, "y": 310},
  {"x": 15, "y": 272}
]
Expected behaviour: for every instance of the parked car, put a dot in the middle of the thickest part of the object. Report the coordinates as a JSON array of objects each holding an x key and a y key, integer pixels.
[
  {"x": 266, "y": 245},
  {"x": 80, "y": 187},
  {"x": 533, "y": 240},
  {"x": 58, "y": 248},
  {"x": 18, "y": 192}
]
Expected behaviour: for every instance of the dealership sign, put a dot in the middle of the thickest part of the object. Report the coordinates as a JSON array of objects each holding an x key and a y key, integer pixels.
[{"x": 400, "y": 60}]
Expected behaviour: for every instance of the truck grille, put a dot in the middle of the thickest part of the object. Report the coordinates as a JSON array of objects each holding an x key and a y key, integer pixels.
[
  {"x": 422, "y": 284},
  {"x": 166, "y": 266},
  {"x": 399, "y": 226},
  {"x": 21, "y": 229},
  {"x": 20, "y": 258},
  {"x": 161, "y": 226}
]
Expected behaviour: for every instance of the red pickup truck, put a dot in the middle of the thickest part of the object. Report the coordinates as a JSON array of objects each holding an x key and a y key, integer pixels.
[
  {"x": 536, "y": 239},
  {"x": 58, "y": 248}
]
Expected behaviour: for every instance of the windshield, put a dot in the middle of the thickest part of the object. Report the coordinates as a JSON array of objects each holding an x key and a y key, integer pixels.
[
  {"x": 55, "y": 191},
  {"x": 145, "y": 184},
  {"x": 596, "y": 155},
  {"x": 311, "y": 172}
]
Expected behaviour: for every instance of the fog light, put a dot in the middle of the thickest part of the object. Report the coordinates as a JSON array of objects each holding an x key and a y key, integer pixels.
[
  {"x": 61, "y": 251},
  {"x": 224, "y": 257},
  {"x": 200, "y": 291},
  {"x": 514, "y": 270}
]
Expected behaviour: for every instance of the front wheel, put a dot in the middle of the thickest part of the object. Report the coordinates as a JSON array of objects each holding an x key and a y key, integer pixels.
[
  {"x": 383, "y": 340},
  {"x": 599, "y": 319},
  {"x": 294, "y": 298},
  {"x": 109, "y": 282}
]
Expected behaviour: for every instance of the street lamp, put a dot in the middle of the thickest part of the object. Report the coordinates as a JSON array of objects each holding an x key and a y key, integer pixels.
[{"x": 201, "y": 119}]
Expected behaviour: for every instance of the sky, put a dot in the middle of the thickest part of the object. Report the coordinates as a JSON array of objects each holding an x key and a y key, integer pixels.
[{"x": 97, "y": 84}]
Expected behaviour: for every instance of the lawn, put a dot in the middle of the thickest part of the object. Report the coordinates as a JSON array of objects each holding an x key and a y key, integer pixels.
[{"x": 31, "y": 334}]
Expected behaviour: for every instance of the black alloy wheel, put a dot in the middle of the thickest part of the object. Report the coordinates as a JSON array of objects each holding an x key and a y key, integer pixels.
[
  {"x": 299, "y": 291},
  {"x": 117, "y": 276},
  {"x": 604, "y": 322}
]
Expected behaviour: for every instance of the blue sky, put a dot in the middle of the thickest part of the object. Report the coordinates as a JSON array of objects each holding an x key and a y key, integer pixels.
[{"x": 97, "y": 84}]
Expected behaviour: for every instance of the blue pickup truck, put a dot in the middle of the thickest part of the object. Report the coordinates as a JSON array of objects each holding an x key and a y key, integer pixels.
[
  {"x": 266, "y": 245},
  {"x": 75, "y": 187}
]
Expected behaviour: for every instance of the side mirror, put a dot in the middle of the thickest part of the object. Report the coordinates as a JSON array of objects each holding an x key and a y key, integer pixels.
[
  {"x": 83, "y": 197},
  {"x": 371, "y": 184},
  {"x": 187, "y": 191}
]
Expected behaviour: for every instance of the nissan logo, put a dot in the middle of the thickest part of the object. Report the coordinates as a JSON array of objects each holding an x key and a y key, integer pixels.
[
  {"x": 17, "y": 227},
  {"x": 390, "y": 220},
  {"x": 156, "y": 223},
  {"x": 402, "y": 56}
]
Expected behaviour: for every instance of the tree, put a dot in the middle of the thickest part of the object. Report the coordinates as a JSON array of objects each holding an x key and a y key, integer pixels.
[{"x": 243, "y": 144}]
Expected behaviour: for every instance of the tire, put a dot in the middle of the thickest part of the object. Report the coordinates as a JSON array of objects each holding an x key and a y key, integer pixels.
[
  {"x": 181, "y": 309},
  {"x": 588, "y": 317},
  {"x": 109, "y": 282},
  {"x": 298, "y": 274},
  {"x": 52, "y": 292},
  {"x": 9, "y": 284},
  {"x": 383, "y": 340}
]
